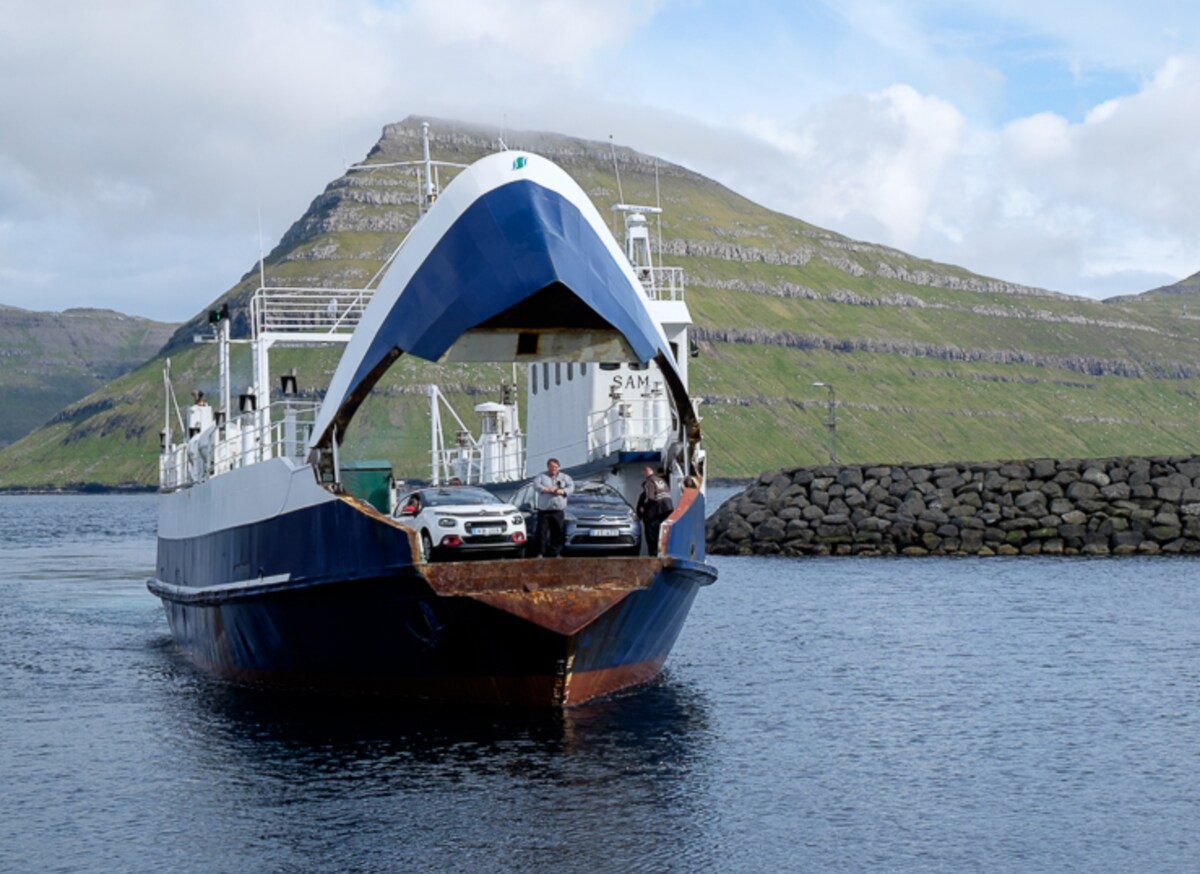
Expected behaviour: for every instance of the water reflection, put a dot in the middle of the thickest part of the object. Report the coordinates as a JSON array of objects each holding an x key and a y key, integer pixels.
[
  {"x": 659, "y": 721},
  {"x": 601, "y": 785}
]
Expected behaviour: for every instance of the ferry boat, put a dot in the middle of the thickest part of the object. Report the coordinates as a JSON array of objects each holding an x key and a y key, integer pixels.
[{"x": 284, "y": 564}]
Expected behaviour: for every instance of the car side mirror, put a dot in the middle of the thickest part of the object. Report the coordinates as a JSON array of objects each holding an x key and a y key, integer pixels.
[{"x": 525, "y": 508}]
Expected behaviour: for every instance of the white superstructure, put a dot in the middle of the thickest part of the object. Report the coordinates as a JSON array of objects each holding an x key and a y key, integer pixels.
[
  {"x": 591, "y": 416},
  {"x": 589, "y": 401}
]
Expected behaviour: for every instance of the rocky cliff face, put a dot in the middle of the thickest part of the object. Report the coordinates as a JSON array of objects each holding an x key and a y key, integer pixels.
[
  {"x": 385, "y": 203},
  {"x": 945, "y": 352},
  {"x": 350, "y": 229},
  {"x": 1182, "y": 288}
]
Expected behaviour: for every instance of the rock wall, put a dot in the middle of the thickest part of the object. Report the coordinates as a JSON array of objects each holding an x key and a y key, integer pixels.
[{"x": 1103, "y": 506}]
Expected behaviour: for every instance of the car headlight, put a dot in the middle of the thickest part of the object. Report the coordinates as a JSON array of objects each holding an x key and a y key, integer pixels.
[{"x": 447, "y": 523}]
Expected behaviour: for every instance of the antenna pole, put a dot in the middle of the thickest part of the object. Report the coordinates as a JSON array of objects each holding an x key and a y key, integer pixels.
[
  {"x": 262, "y": 270},
  {"x": 617, "y": 170},
  {"x": 167, "y": 405},
  {"x": 430, "y": 196},
  {"x": 658, "y": 204},
  {"x": 223, "y": 364}
]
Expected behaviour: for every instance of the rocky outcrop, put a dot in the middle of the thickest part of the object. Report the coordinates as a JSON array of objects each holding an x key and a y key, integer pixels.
[
  {"x": 1105, "y": 506},
  {"x": 784, "y": 289},
  {"x": 947, "y": 352}
]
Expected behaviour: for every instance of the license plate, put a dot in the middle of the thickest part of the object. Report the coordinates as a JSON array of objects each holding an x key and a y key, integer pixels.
[
  {"x": 604, "y": 532},
  {"x": 485, "y": 530}
]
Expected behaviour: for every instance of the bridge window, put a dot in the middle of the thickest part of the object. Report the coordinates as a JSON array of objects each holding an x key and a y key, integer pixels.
[{"x": 527, "y": 343}]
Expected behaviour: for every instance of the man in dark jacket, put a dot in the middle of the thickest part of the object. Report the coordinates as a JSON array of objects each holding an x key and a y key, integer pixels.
[{"x": 654, "y": 505}]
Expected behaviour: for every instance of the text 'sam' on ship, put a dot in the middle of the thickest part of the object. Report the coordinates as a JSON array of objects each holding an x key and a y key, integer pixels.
[{"x": 282, "y": 563}]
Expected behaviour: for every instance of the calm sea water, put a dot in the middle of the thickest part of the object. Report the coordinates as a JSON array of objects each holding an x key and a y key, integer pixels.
[{"x": 817, "y": 715}]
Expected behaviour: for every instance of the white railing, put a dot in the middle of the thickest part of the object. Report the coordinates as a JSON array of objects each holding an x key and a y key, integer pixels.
[
  {"x": 497, "y": 456},
  {"x": 330, "y": 311},
  {"x": 248, "y": 439},
  {"x": 662, "y": 283},
  {"x": 478, "y": 465},
  {"x": 629, "y": 426}
]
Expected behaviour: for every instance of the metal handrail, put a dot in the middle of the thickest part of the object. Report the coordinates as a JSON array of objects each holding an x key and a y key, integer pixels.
[
  {"x": 250, "y": 438},
  {"x": 282, "y": 309},
  {"x": 468, "y": 463},
  {"x": 618, "y": 429},
  {"x": 662, "y": 283}
]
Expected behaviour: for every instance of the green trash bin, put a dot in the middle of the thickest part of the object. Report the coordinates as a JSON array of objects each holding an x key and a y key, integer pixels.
[{"x": 369, "y": 481}]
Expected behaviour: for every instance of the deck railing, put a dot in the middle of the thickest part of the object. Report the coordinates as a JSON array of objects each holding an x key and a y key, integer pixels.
[
  {"x": 662, "y": 283},
  {"x": 281, "y": 431},
  {"x": 334, "y": 312},
  {"x": 629, "y": 426},
  {"x": 477, "y": 465}
]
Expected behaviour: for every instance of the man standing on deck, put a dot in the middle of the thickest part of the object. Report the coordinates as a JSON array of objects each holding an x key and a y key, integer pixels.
[
  {"x": 552, "y": 488},
  {"x": 654, "y": 505}
]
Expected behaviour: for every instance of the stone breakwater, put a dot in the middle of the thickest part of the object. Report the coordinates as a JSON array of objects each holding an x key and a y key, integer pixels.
[{"x": 1103, "y": 506}]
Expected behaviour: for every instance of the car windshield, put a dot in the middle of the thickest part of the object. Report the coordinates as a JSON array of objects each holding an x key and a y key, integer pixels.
[
  {"x": 456, "y": 495},
  {"x": 596, "y": 493}
]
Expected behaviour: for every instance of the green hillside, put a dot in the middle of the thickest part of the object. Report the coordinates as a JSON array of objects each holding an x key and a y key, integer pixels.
[
  {"x": 929, "y": 361},
  {"x": 49, "y": 360}
]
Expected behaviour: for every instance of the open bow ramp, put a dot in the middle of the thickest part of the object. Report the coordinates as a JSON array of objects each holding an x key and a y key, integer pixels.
[{"x": 512, "y": 263}]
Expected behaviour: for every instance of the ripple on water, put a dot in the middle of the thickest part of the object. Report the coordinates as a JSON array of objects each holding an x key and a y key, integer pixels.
[{"x": 828, "y": 714}]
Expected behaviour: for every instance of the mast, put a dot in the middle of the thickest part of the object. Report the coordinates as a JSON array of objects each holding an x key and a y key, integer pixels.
[{"x": 430, "y": 193}]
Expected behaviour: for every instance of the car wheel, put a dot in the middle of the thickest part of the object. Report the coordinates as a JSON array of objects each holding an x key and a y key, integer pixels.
[{"x": 426, "y": 547}]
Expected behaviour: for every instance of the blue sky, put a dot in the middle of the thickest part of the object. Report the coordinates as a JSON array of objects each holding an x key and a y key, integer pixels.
[{"x": 1049, "y": 144}]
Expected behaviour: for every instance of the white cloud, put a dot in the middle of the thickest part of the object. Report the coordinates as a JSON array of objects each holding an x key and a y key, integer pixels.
[
  {"x": 141, "y": 138},
  {"x": 1038, "y": 139},
  {"x": 153, "y": 116},
  {"x": 867, "y": 162},
  {"x": 563, "y": 34},
  {"x": 1101, "y": 206}
]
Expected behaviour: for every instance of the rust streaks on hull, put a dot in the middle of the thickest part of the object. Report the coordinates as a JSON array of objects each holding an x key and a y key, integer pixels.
[
  {"x": 562, "y": 595},
  {"x": 584, "y": 686},
  {"x": 563, "y": 612}
]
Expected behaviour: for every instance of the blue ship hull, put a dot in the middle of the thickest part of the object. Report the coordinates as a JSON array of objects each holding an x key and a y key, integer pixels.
[
  {"x": 270, "y": 574},
  {"x": 337, "y": 602}
]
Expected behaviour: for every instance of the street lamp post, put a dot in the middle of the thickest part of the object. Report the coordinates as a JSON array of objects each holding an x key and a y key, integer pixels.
[{"x": 830, "y": 420}]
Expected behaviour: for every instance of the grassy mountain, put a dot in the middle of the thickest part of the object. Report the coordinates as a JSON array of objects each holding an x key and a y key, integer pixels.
[
  {"x": 50, "y": 360},
  {"x": 929, "y": 361}
]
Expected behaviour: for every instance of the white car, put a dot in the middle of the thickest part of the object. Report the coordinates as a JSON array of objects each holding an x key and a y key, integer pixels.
[{"x": 455, "y": 520}]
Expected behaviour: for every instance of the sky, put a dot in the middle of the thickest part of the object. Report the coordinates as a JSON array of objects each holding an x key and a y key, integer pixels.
[{"x": 150, "y": 148}]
